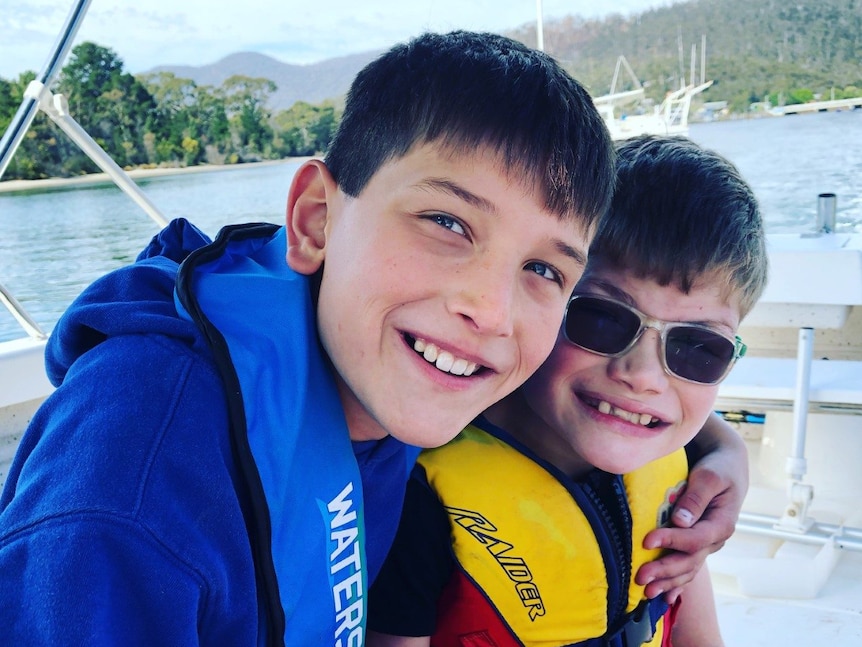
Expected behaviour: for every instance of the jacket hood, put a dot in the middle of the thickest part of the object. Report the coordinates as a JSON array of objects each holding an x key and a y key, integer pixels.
[{"x": 133, "y": 300}]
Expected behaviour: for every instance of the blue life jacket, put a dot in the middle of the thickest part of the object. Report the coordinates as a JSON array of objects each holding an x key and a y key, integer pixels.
[{"x": 299, "y": 485}]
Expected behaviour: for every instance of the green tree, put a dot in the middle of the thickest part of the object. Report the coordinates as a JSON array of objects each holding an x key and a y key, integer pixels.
[
  {"x": 246, "y": 99},
  {"x": 192, "y": 151},
  {"x": 179, "y": 118},
  {"x": 10, "y": 99},
  {"x": 306, "y": 129},
  {"x": 91, "y": 71},
  {"x": 800, "y": 95},
  {"x": 212, "y": 109},
  {"x": 43, "y": 148},
  {"x": 116, "y": 109}
]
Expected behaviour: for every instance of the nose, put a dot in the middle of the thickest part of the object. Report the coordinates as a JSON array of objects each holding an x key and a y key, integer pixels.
[
  {"x": 641, "y": 368},
  {"x": 486, "y": 298}
]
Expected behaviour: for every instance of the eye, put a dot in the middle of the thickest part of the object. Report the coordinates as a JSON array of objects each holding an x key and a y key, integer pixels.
[
  {"x": 545, "y": 271},
  {"x": 449, "y": 223}
]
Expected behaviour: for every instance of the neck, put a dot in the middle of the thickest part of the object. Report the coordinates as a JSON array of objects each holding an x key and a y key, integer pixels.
[{"x": 515, "y": 416}]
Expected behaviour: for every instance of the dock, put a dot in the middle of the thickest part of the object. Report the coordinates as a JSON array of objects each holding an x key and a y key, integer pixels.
[{"x": 818, "y": 106}]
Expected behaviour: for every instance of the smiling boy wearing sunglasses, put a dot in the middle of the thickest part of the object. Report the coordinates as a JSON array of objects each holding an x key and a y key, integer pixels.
[{"x": 528, "y": 528}]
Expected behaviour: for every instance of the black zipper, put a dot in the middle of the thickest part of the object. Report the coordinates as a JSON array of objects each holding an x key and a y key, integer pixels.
[
  {"x": 608, "y": 496},
  {"x": 249, "y": 488}
]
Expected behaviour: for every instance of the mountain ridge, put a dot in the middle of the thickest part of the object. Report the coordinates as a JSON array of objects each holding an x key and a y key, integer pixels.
[
  {"x": 754, "y": 49},
  {"x": 313, "y": 82}
]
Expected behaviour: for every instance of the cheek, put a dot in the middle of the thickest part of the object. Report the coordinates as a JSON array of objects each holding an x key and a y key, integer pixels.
[
  {"x": 541, "y": 333},
  {"x": 554, "y": 387},
  {"x": 558, "y": 365},
  {"x": 340, "y": 309},
  {"x": 535, "y": 352},
  {"x": 698, "y": 403}
]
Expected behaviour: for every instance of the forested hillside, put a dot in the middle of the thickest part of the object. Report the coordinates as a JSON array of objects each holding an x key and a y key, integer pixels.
[
  {"x": 788, "y": 49},
  {"x": 161, "y": 119},
  {"x": 783, "y": 51}
]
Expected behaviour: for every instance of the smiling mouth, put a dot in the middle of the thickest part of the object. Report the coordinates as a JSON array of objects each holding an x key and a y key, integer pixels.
[
  {"x": 443, "y": 360},
  {"x": 642, "y": 419}
]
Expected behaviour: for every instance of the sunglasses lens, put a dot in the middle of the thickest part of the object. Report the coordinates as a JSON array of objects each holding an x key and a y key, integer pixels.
[
  {"x": 697, "y": 354},
  {"x": 599, "y": 325}
]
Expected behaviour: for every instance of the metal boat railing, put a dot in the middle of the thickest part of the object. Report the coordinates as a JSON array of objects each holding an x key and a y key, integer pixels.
[
  {"x": 795, "y": 523},
  {"x": 23, "y": 118},
  {"x": 38, "y": 96},
  {"x": 817, "y": 534},
  {"x": 17, "y": 310}
]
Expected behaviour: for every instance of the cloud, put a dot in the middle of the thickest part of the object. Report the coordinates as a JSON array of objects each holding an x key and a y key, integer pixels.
[{"x": 197, "y": 32}]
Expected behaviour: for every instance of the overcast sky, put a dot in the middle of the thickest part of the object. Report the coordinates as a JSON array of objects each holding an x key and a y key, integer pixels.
[{"x": 148, "y": 33}]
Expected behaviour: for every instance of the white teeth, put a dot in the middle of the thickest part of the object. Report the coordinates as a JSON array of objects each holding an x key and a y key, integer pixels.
[
  {"x": 458, "y": 367},
  {"x": 430, "y": 353},
  {"x": 443, "y": 359},
  {"x": 642, "y": 419}
]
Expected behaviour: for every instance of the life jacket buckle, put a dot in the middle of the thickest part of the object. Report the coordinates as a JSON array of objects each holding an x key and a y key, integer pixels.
[{"x": 638, "y": 628}]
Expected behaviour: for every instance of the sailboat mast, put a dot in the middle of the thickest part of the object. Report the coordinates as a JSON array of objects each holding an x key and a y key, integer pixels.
[
  {"x": 691, "y": 78},
  {"x": 540, "y": 32}
]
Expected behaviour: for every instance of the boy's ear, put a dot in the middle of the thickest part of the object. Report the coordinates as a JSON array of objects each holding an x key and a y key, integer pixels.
[{"x": 311, "y": 197}]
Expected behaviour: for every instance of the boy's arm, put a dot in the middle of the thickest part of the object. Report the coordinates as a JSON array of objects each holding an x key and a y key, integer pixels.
[
  {"x": 705, "y": 516},
  {"x": 696, "y": 622},
  {"x": 402, "y": 601}
]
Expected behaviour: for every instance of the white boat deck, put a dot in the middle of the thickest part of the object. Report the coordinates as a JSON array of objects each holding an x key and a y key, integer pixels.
[
  {"x": 806, "y": 590},
  {"x": 773, "y": 592},
  {"x": 833, "y": 619}
]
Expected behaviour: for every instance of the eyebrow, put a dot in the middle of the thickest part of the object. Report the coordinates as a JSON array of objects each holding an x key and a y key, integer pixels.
[
  {"x": 613, "y": 291},
  {"x": 578, "y": 256},
  {"x": 625, "y": 297},
  {"x": 455, "y": 189}
]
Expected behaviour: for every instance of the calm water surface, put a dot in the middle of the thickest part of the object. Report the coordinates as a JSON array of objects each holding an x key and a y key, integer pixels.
[
  {"x": 790, "y": 160},
  {"x": 53, "y": 243}
]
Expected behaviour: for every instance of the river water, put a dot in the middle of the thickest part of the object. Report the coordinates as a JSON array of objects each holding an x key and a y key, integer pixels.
[{"x": 53, "y": 243}]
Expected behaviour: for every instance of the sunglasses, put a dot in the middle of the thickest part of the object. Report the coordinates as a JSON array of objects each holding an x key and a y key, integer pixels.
[{"x": 691, "y": 352}]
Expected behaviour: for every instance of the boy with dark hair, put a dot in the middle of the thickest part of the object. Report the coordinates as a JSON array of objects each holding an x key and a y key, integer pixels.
[
  {"x": 230, "y": 436},
  {"x": 528, "y": 528}
]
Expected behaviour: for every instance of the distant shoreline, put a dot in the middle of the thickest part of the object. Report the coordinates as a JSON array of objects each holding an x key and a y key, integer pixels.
[{"x": 95, "y": 179}]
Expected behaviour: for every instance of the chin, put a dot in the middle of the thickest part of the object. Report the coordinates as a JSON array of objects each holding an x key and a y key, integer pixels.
[
  {"x": 433, "y": 438},
  {"x": 621, "y": 465}
]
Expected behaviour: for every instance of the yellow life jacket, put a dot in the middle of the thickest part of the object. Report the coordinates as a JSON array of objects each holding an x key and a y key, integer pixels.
[{"x": 535, "y": 561}]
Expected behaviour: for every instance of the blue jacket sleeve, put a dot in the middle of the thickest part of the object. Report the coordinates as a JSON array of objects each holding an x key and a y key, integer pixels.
[
  {"x": 119, "y": 521},
  {"x": 95, "y": 580}
]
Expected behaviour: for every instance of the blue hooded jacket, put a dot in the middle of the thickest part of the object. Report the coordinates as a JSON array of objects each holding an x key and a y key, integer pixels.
[{"x": 187, "y": 482}]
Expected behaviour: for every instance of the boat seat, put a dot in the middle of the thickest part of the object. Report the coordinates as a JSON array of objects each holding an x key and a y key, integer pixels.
[
  {"x": 23, "y": 377},
  {"x": 815, "y": 281},
  {"x": 819, "y": 283},
  {"x": 763, "y": 380}
]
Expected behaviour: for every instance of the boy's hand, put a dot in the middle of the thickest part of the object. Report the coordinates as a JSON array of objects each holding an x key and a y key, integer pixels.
[{"x": 704, "y": 517}]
